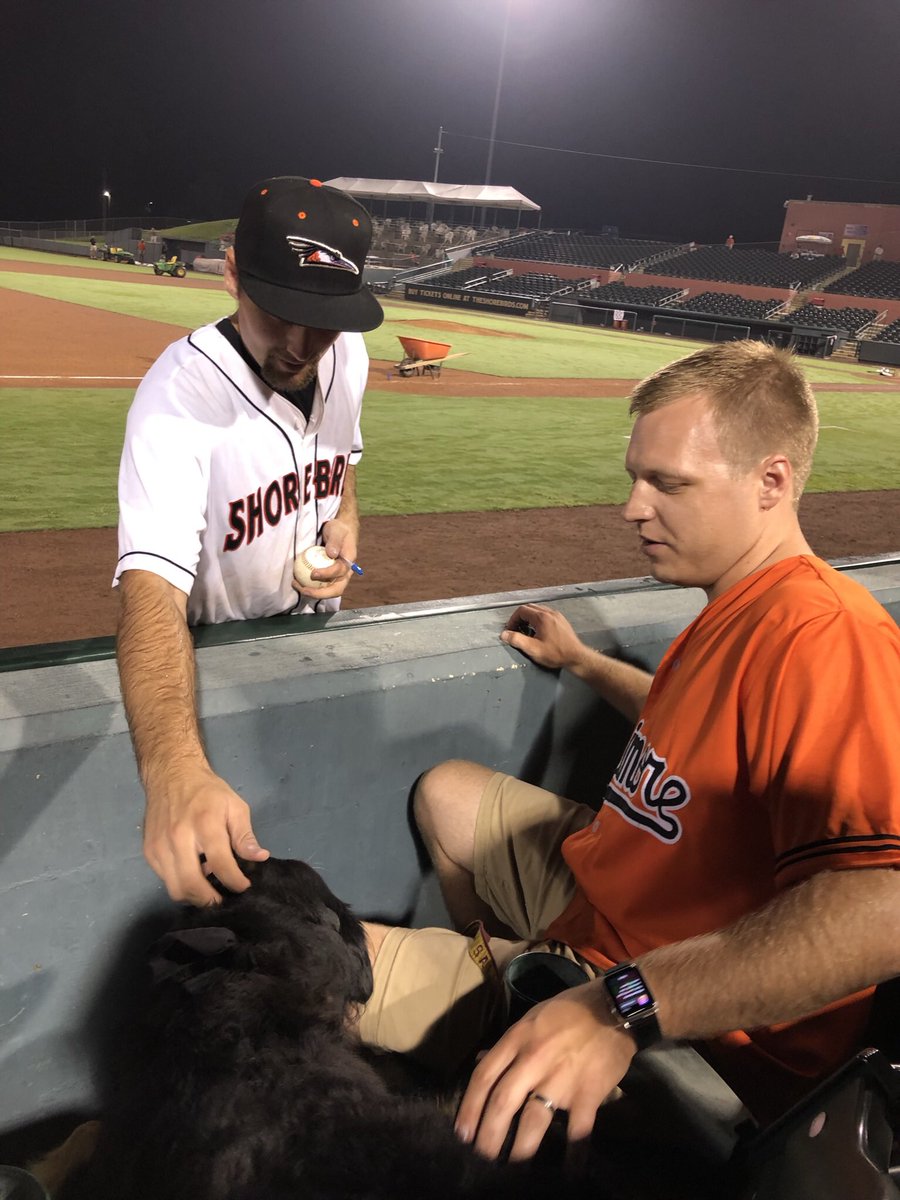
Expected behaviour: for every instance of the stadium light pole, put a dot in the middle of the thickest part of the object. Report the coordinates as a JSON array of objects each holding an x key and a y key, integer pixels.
[
  {"x": 438, "y": 151},
  {"x": 490, "y": 158},
  {"x": 106, "y": 199}
]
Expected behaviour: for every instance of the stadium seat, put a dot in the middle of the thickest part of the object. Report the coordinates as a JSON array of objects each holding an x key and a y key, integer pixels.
[
  {"x": 880, "y": 280},
  {"x": 815, "y": 316}
]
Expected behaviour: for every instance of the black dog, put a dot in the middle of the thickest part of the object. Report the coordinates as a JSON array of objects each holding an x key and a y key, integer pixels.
[{"x": 240, "y": 1078}]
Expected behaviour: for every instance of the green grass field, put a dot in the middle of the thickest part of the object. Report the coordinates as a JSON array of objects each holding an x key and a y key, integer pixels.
[{"x": 458, "y": 454}]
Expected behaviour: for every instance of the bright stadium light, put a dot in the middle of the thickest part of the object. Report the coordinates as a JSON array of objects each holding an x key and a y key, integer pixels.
[{"x": 106, "y": 197}]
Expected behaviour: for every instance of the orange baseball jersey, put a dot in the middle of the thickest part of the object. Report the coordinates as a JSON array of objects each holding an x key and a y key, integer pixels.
[{"x": 767, "y": 751}]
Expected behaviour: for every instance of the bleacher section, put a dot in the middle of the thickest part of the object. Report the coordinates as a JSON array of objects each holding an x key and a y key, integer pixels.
[
  {"x": 533, "y": 285},
  {"x": 665, "y": 307},
  {"x": 493, "y": 281},
  {"x": 760, "y": 268},
  {"x": 464, "y": 278},
  {"x": 880, "y": 280},
  {"x": 580, "y": 249},
  {"x": 890, "y": 333},
  {"x": 724, "y": 304},
  {"x": 621, "y": 293},
  {"x": 814, "y": 316}
]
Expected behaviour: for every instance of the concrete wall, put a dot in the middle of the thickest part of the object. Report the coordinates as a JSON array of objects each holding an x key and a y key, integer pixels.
[{"x": 323, "y": 726}]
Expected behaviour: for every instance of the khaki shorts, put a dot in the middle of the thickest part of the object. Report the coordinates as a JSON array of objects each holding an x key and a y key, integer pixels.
[{"x": 438, "y": 994}]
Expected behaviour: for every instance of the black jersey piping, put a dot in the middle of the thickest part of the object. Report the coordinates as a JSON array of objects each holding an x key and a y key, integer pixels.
[
  {"x": 151, "y": 554},
  {"x": 867, "y": 844}
]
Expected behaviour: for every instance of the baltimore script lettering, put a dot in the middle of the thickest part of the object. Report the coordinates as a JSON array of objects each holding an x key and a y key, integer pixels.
[{"x": 643, "y": 792}]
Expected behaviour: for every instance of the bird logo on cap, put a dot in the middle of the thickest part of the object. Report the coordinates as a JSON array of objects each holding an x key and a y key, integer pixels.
[{"x": 317, "y": 254}]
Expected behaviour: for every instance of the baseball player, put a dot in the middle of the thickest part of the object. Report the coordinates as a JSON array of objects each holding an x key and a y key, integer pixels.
[{"x": 240, "y": 451}]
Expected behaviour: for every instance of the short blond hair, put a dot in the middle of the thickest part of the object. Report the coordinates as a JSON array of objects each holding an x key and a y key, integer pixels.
[{"x": 762, "y": 402}]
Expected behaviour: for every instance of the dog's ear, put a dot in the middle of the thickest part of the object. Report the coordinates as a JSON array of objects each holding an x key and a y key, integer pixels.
[{"x": 193, "y": 958}]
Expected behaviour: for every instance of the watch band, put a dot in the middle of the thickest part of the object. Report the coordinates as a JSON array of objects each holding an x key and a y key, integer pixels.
[{"x": 632, "y": 1003}]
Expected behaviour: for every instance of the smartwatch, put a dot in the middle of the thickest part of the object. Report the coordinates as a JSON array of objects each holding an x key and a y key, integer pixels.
[{"x": 632, "y": 1004}]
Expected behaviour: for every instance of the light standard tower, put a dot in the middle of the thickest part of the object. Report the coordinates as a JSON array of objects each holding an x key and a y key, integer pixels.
[
  {"x": 438, "y": 151},
  {"x": 106, "y": 199},
  {"x": 490, "y": 158}
]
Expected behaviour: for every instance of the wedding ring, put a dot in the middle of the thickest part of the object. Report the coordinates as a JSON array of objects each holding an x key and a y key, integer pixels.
[{"x": 545, "y": 1100}]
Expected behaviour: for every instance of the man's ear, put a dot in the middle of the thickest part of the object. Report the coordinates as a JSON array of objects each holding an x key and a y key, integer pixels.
[
  {"x": 231, "y": 275},
  {"x": 776, "y": 480}
]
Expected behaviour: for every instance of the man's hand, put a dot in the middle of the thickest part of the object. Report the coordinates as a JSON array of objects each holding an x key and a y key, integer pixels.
[
  {"x": 554, "y": 644},
  {"x": 341, "y": 542},
  {"x": 566, "y": 1051},
  {"x": 197, "y": 813},
  {"x": 547, "y": 637}
]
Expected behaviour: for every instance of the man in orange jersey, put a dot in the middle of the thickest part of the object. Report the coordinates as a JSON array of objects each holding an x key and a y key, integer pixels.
[{"x": 738, "y": 887}]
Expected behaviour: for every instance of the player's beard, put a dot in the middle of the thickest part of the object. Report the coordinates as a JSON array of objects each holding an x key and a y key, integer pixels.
[{"x": 281, "y": 380}]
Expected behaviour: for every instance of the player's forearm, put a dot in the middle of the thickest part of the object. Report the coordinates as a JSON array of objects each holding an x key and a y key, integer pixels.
[
  {"x": 620, "y": 684},
  {"x": 157, "y": 673},
  {"x": 822, "y": 940},
  {"x": 349, "y": 509}
]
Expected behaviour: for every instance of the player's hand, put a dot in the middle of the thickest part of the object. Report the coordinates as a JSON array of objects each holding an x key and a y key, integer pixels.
[
  {"x": 341, "y": 543},
  {"x": 568, "y": 1051},
  {"x": 552, "y": 641},
  {"x": 191, "y": 813}
]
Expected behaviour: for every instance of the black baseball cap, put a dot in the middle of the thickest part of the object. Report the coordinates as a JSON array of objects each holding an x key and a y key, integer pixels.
[{"x": 300, "y": 249}]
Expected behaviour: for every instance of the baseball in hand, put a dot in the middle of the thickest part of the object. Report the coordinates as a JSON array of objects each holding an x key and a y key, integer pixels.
[{"x": 308, "y": 560}]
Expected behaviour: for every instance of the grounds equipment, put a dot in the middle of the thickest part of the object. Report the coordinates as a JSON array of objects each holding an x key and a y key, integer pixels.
[
  {"x": 423, "y": 357},
  {"x": 170, "y": 266}
]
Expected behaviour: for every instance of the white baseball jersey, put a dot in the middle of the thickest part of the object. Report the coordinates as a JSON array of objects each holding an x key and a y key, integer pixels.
[{"x": 223, "y": 481}]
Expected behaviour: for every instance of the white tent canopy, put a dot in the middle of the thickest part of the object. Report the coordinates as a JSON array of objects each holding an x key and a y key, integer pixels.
[{"x": 473, "y": 194}]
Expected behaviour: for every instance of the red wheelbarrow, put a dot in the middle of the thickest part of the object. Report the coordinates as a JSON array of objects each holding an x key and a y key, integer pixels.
[{"x": 423, "y": 357}]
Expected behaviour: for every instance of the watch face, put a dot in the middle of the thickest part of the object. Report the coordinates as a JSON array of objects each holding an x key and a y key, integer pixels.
[{"x": 628, "y": 990}]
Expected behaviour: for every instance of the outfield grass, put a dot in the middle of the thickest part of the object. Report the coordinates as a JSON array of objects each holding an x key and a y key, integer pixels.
[
  {"x": 859, "y": 442},
  {"x": 59, "y": 456},
  {"x": 423, "y": 453},
  {"x": 176, "y": 304},
  {"x": 206, "y": 231},
  {"x": 455, "y": 455},
  {"x": 548, "y": 350},
  {"x": 525, "y": 349},
  {"x": 14, "y": 254},
  {"x": 530, "y": 348}
]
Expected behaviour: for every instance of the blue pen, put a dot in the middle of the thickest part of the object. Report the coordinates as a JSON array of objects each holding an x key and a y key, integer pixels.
[{"x": 355, "y": 567}]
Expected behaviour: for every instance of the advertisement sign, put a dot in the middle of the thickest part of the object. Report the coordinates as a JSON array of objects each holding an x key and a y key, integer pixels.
[
  {"x": 482, "y": 300},
  {"x": 856, "y": 231}
]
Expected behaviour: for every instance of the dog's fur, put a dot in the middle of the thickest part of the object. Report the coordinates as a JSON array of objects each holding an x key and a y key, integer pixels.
[{"x": 240, "y": 1077}]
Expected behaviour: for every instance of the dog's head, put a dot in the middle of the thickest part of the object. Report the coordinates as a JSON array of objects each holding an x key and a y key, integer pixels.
[{"x": 286, "y": 949}]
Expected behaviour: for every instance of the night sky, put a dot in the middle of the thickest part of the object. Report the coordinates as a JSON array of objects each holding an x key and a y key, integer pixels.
[{"x": 186, "y": 103}]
